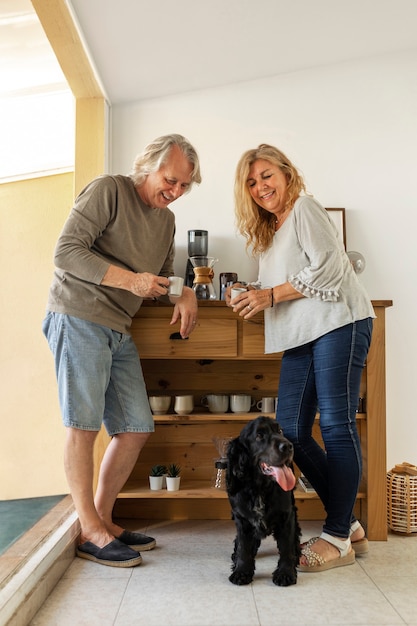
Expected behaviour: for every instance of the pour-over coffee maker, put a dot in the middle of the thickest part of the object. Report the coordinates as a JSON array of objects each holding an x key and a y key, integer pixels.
[
  {"x": 203, "y": 277},
  {"x": 197, "y": 246}
]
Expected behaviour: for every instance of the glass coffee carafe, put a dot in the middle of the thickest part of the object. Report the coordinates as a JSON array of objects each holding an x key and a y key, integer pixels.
[
  {"x": 227, "y": 279},
  {"x": 203, "y": 277}
]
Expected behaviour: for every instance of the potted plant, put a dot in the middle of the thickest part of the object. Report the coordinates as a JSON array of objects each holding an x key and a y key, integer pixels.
[
  {"x": 173, "y": 477},
  {"x": 156, "y": 477}
]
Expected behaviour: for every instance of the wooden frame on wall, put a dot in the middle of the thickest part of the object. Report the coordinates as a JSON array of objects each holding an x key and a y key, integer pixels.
[{"x": 339, "y": 218}]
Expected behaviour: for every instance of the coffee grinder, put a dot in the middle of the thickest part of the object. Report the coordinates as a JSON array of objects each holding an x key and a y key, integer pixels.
[{"x": 197, "y": 246}]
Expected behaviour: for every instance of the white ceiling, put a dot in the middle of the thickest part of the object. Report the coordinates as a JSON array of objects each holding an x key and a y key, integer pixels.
[{"x": 153, "y": 48}]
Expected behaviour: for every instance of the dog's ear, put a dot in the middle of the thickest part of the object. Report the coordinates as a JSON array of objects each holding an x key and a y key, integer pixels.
[
  {"x": 238, "y": 463},
  {"x": 277, "y": 427}
]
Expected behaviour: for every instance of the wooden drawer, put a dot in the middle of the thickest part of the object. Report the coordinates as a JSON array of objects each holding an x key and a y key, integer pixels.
[{"x": 211, "y": 339}]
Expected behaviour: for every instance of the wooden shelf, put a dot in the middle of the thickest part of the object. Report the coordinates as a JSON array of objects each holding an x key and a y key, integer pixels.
[
  {"x": 196, "y": 489},
  {"x": 188, "y": 489},
  {"x": 200, "y": 418},
  {"x": 225, "y": 355},
  {"x": 300, "y": 494}
]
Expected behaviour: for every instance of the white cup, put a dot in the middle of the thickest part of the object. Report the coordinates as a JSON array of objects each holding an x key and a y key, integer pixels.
[
  {"x": 240, "y": 403},
  {"x": 216, "y": 403},
  {"x": 236, "y": 291},
  {"x": 183, "y": 405},
  {"x": 176, "y": 283},
  {"x": 266, "y": 405},
  {"x": 159, "y": 404}
]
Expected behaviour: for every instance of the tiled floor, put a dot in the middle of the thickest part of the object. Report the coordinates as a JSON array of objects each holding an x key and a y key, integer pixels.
[{"x": 184, "y": 582}]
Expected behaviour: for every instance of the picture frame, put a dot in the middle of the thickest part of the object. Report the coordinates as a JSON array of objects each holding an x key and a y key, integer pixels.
[{"x": 339, "y": 218}]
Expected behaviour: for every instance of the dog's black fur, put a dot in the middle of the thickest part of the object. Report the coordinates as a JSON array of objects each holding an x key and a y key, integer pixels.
[{"x": 260, "y": 507}]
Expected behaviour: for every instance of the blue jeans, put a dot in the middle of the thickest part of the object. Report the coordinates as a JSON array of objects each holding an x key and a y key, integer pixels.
[{"x": 325, "y": 375}]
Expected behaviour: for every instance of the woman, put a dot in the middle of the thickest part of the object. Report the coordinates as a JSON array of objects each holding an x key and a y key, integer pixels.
[{"x": 317, "y": 312}]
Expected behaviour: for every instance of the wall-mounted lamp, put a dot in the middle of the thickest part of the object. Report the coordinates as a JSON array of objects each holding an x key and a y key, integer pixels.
[{"x": 358, "y": 261}]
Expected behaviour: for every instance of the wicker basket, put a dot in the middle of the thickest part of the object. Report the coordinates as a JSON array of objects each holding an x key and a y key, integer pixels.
[{"x": 402, "y": 498}]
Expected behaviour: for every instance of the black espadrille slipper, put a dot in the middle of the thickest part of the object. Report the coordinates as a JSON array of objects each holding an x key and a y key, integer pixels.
[
  {"x": 137, "y": 541},
  {"x": 115, "y": 554}
]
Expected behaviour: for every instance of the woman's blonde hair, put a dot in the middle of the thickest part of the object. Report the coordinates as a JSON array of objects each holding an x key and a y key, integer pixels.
[{"x": 255, "y": 223}]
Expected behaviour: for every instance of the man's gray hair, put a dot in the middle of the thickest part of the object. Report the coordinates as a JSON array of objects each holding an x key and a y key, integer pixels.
[{"x": 156, "y": 153}]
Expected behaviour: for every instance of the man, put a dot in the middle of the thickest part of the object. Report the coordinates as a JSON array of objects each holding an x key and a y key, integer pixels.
[{"x": 116, "y": 248}]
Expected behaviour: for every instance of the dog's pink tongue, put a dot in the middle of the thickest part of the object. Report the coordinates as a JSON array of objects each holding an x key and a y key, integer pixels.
[{"x": 283, "y": 475}]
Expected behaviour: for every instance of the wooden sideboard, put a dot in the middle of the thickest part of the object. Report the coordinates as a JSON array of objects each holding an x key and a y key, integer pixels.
[{"x": 225, "y": 354}]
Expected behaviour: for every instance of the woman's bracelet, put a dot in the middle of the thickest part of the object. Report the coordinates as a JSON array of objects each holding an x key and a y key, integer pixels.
[{"x": 272, "y": 296}]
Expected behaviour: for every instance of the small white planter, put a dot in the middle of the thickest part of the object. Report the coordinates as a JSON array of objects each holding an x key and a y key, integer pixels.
[
  {"x": 155, "y": 482},
  {"x": 173, "y": 483}
]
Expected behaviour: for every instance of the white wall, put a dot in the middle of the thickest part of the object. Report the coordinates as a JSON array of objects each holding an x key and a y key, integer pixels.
[{"x": 352, "y": 130}]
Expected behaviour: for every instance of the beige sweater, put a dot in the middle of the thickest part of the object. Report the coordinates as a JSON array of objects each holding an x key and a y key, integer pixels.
[
  {"x": 109, "y": 225},
  {"x": 307, "y": 252}
]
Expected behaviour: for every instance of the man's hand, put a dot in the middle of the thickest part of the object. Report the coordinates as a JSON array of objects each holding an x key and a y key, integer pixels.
[
  {"x": 148, "y": 285},
  {"x": 144, "y": 285},
  {"x": 186, "y": 309}
]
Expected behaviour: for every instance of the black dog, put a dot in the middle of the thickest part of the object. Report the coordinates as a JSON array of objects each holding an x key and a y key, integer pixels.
[{"x": 260, "y": 484}]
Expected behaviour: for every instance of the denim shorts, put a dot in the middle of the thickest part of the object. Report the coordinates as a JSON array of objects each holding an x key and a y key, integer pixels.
[{"x": 100, "y": 379}]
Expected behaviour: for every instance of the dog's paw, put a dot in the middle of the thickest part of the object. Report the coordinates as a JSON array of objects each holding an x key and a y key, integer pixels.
[
  {"x": 241, "y": 578},
  {"x": 284, "y": 577}
]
